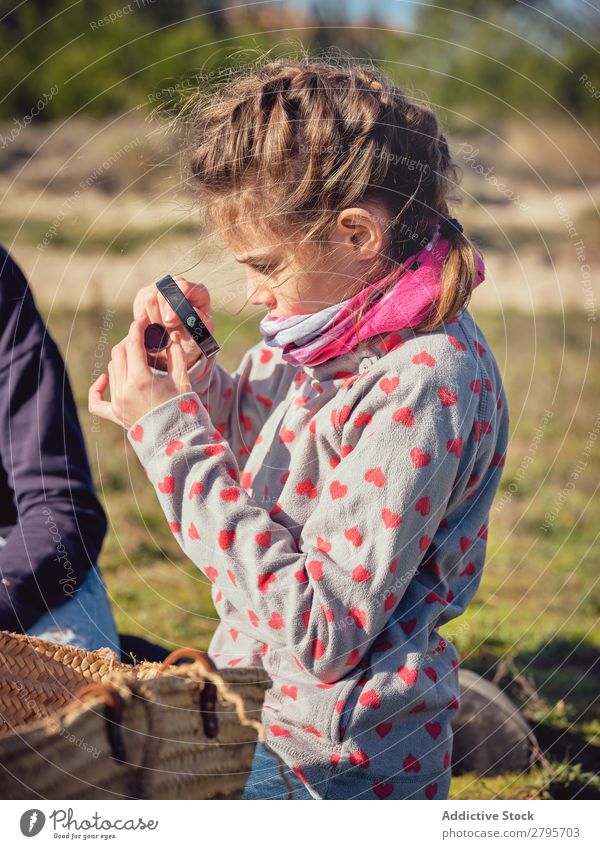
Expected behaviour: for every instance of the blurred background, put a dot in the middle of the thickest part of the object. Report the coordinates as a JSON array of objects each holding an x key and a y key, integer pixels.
[{"x": 93, "y": 209}]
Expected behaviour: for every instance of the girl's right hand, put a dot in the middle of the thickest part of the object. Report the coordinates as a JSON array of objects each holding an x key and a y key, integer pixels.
[{"x": 149, "y": 303}]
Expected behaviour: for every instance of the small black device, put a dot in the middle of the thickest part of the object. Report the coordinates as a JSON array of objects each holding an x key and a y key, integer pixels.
[
  {"x": 188, "y": 316},
  {"x": 156, "y": 338}
]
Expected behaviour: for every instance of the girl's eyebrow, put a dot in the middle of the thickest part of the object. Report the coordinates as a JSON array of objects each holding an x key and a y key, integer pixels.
[{"x": 251, "y": 257}]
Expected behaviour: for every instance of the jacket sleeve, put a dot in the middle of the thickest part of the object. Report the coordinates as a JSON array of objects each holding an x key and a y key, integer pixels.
[
  {"x": 60, "y": 525},
  {"x": 373, "y": 518},
  {"x": 240, "y": 402}
]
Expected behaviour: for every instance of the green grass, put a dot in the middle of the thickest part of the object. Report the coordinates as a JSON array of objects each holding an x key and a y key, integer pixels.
[{"x": 533, "y": 625}]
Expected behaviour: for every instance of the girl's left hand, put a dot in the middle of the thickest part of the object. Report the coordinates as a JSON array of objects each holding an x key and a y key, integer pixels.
[{"x": 134, "y": 389}]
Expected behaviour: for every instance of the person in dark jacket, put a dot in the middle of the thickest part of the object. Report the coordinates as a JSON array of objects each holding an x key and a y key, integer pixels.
[{"x": 51, "y": 523}]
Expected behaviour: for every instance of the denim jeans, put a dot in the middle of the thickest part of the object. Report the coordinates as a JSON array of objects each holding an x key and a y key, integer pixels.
[
  {"x": 85, "y": 620},
  {"x": 265, "y": 781}
]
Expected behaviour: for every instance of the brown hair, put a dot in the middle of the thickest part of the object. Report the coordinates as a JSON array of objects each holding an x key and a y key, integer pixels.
[{"x": 302, "y": 139}]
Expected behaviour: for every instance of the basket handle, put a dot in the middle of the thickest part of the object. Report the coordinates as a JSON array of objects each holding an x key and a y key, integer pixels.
[
  {"x": 113, "y": 713},
  {"x": 208, "y": 696}
]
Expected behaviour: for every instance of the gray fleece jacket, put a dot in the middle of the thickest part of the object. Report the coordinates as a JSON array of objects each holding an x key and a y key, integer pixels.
[{"x": 340, "y": 513}]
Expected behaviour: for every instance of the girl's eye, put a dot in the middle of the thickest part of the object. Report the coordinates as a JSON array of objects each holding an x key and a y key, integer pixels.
[{"x": 264, "y": 269}]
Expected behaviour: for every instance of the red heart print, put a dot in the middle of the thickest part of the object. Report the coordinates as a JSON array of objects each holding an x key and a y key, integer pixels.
[
  {"x": 447, "y": 397},
  {"x": 337, "y": 489},
  {"x": 423, "y": 506},
  {"x": 383, "y": 790},
  {"x": 265, "y": 581},
  {"x": 370, "y": 699},
  {"x": 173, "y": 446},
  {"x": 359, "y": 759},
  {"x": 137, "y": 433},
  {"x": 312, "y": 426},
  {"x": 276, "y": 621},
  {"x": 264, "y": 540},
  {"x": 390, "y": 601},
  {"x": 231, "y": 493},
  {"x": 359, "y": 616},
  {"x": 469, "y": 569},
  {"x": 479, "y": 348},
  {"x": 318, "y": 649},
  {"x": 214, "y": 450},
  {"x": 234, "y": 634},
  {"x": 232, "y": 577},
  {"x": 383, "y": 729},
  {"x": 375, "y": 476},
  {"x": 420, "y": 458},
  {"x": 278, "y": 731},
  {"x": 408, "y": 626},
  {"x": 253, "y": 618},
  {"x": 193, "y": 531},
  {"x": 345, "y": 450},
  {"x": 409, "y": 676},
  {"x": 167, "y": 485},
  {"x": 411, "y": 764},
  {"x": 175, "y": 527},
  {"x": 465, "y": 544},
  {"x": 434, "y": 729},
  {"x": 308, "y": 488},
  {"x": 455, "y": 446},
  {"x": 390, "y": 519},
  {"x": 390, "y": 342},
  {"x": 362, "y": 420},
  {"x": 354, "y": 535},
  {"x": 306, "y": 618},
  {"x": 424, "y": 543},
  {"x": 404, "y": 415},
  {"x": 211, "y": 573},
  {"x": 190, "y": 406},
  {"x": 334, "y": 461},
  {"x": 431, "y": 673},
  {"x": 475, "y": 386},
  {"x": 289, "y": 691},
  {"x": 265, "y": 355},
  {"x": 323, "y": 546},
  {"x": 360, "y": 574},
  {"x": 431, "y": 790},
  {"x": 418, "y": 708},
  {"x": 388, "y": 384},
  {"x": 286, "y": 435},
  {"x": 335, "y": 759},
  {"x": 226, "y": 539},
  {"x": 446, "y": 760},
  {"x": 423, "y": 359},
  {"x": 195, "y": 489},
  {"x": 315, "y": 569},
  {"x": 460, "y": 346}
]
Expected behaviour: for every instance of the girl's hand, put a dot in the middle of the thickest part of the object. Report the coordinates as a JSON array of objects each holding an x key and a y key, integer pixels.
[
  {"x": 150, "y": 304},
  {"x": 134, "y": 389}
]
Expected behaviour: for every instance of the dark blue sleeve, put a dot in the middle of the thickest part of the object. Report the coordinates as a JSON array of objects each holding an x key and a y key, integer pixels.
[{"x": 52, "y": 521}]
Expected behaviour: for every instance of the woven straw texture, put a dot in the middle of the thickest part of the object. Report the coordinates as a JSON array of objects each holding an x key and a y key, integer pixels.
[{"x": 77, "y": 725}]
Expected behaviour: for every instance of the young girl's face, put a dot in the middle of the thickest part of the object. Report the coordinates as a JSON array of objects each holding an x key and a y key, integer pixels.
[{"x": 290, "y": 278}]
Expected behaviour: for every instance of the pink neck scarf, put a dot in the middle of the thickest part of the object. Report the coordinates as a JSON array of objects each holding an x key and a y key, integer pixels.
[{"x": 313, "y": 338}]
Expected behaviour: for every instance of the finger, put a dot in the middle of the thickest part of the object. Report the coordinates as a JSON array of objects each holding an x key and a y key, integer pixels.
[
  {"x": 198, "y": 296},
  {"x": 96, "y": 403},
  {"x": 137, "y": 361},
  {"x": 177, "y": 364}
]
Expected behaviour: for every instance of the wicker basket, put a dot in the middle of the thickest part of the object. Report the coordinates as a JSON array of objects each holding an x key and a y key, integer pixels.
[{"x": 77, "y": 725}]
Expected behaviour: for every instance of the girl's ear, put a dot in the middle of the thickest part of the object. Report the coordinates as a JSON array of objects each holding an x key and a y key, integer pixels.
[{"x": 363, "y": 231}]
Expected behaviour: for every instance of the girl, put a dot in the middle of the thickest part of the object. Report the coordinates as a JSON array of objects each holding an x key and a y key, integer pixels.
[{"x": 336, "y": 488}]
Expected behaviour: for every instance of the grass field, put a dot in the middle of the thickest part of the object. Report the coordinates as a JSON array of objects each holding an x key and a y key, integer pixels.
[{"x": 533, "y": 626}]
